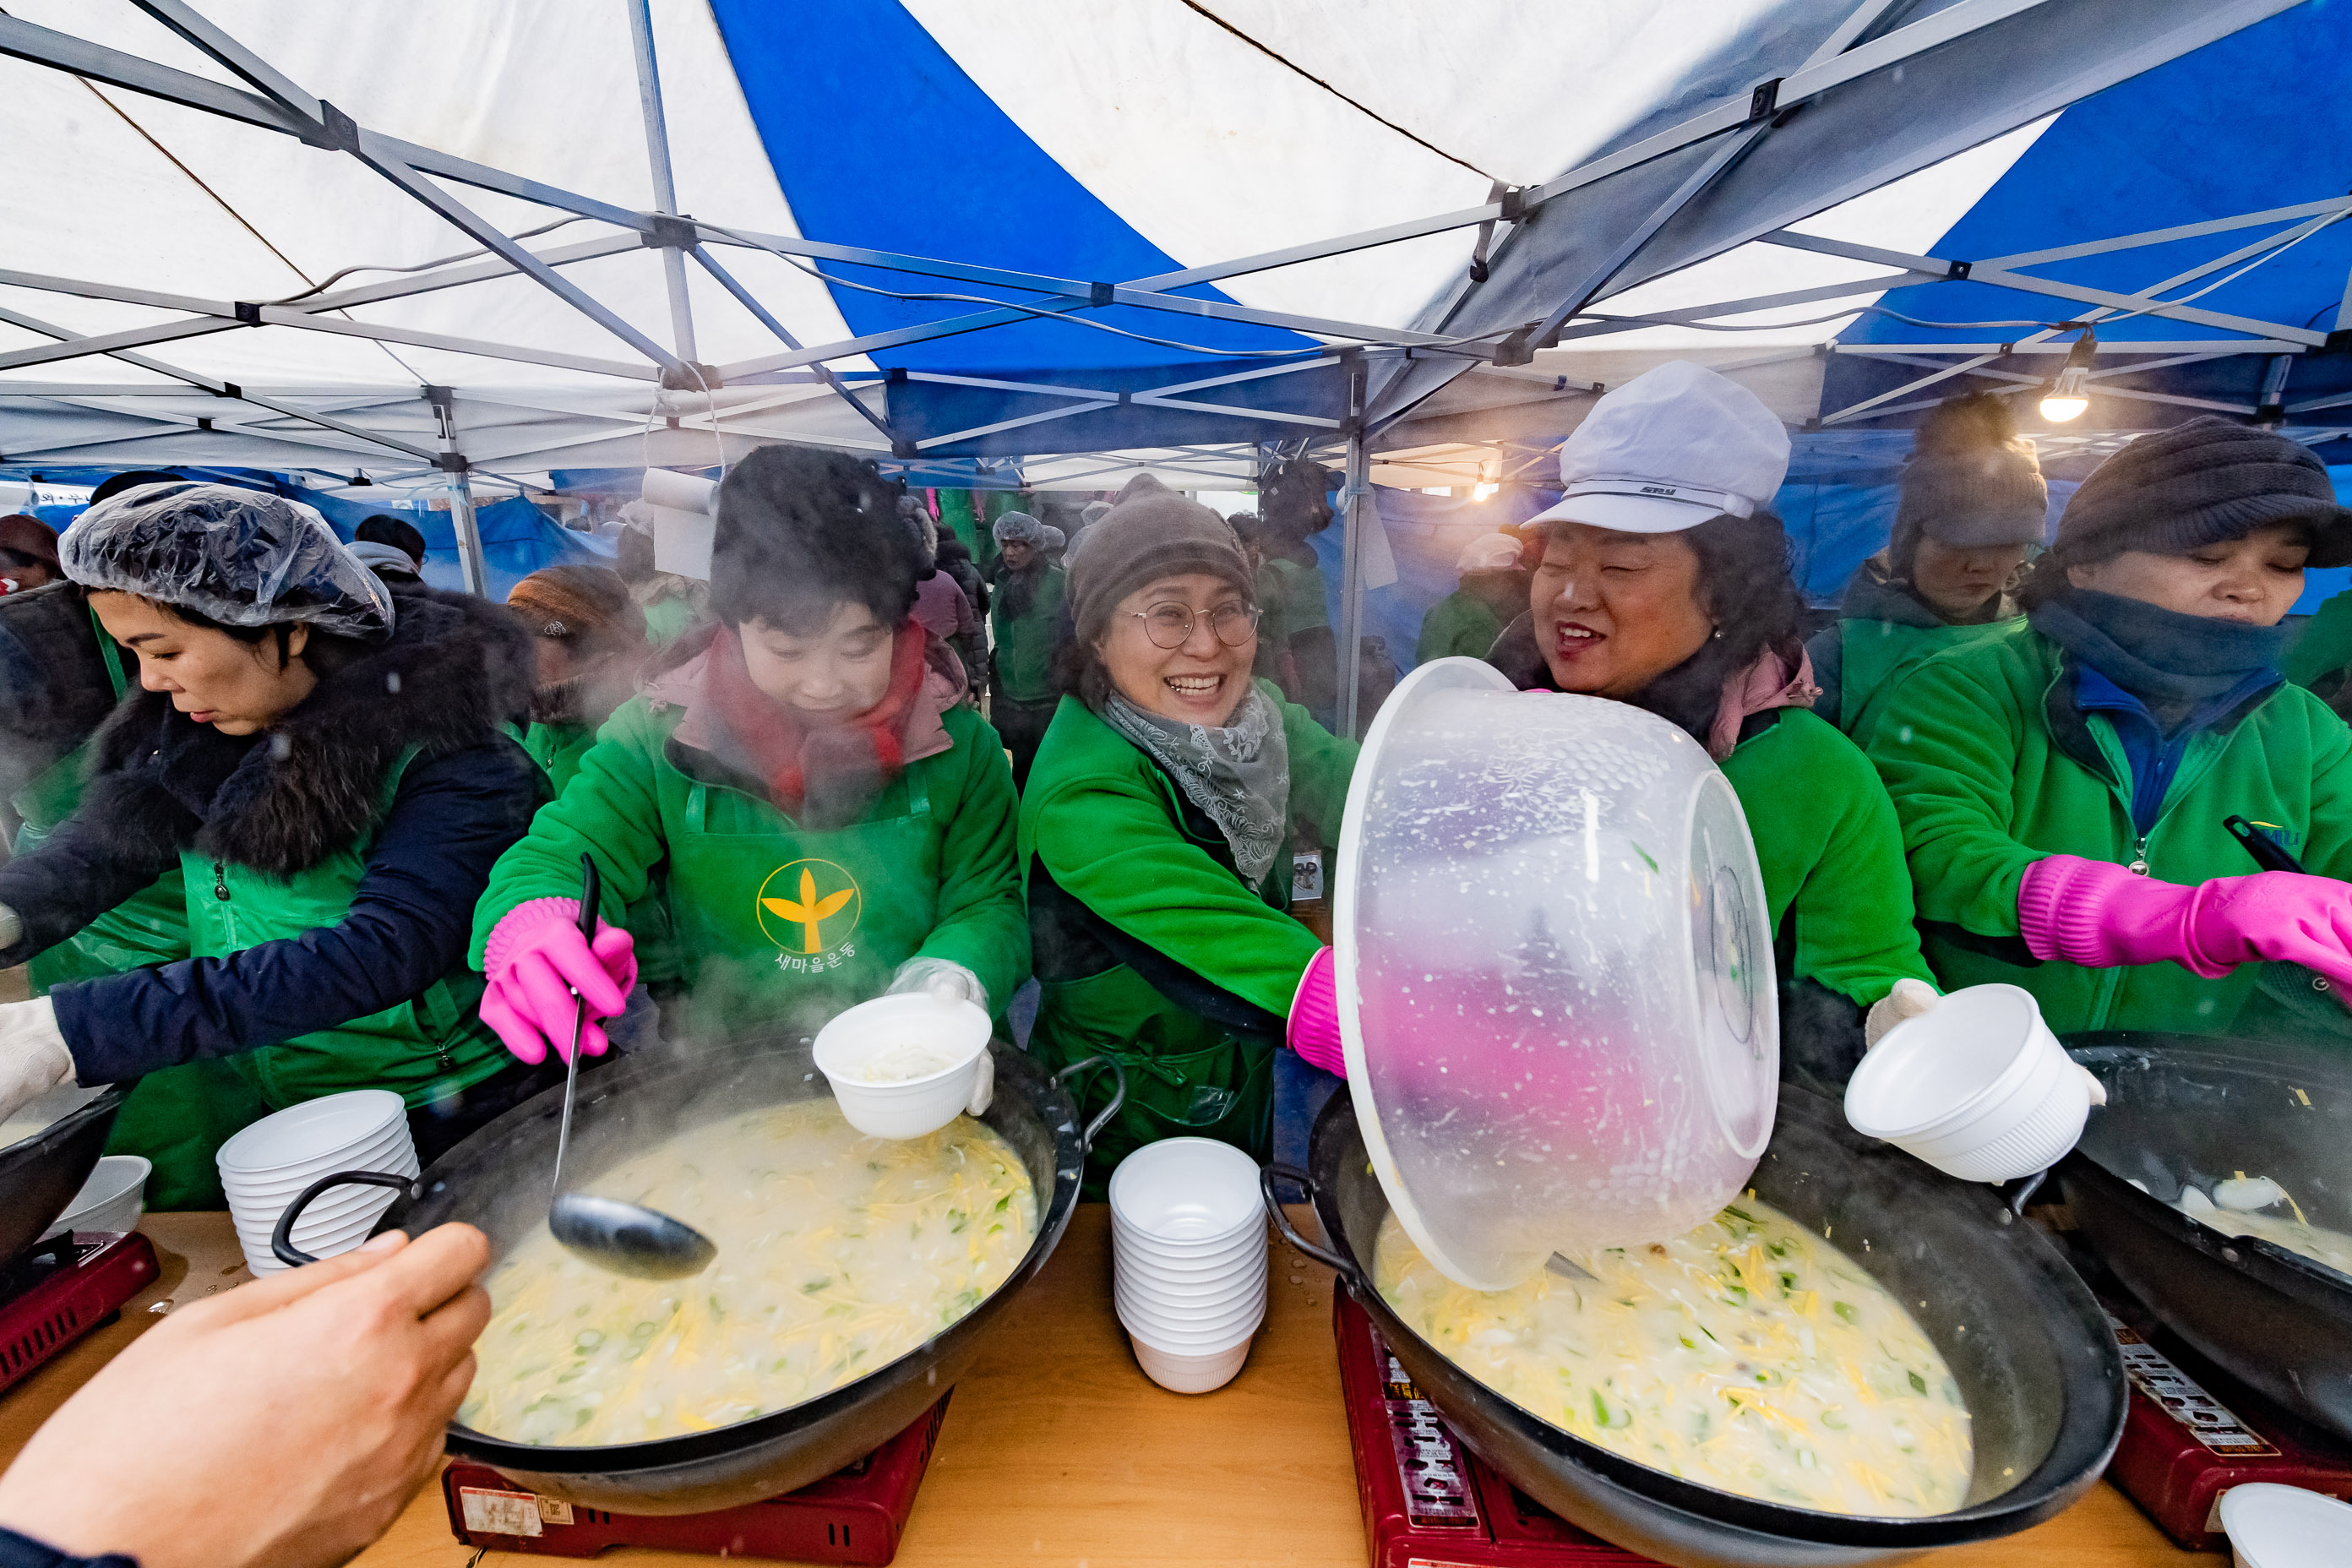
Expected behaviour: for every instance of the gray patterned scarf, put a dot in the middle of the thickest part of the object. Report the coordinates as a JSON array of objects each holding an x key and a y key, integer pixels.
[{"x": 1240, "y": 775}]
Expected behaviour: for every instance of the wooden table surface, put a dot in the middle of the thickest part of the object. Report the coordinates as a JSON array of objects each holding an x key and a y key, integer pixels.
[{"x": 1058, "y": 1451}]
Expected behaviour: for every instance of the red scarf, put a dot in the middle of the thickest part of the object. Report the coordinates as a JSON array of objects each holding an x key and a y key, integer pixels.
[{"x": 775, "y": 741}]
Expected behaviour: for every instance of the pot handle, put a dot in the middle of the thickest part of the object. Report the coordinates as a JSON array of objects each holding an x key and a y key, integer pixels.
[
  {"x": 1118, "y": 1094},
  {"x": 1345, "y": 1267},
  {"x": 281, "y": 1239}
]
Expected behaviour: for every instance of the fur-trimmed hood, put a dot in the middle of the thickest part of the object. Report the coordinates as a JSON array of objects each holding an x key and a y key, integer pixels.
[{"x": 456, "y": 668}]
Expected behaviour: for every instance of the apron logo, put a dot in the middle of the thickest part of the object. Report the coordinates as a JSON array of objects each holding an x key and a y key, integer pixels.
[{"x": 818, "y": 894}]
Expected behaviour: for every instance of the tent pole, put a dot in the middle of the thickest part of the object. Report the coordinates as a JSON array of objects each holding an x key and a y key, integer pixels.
[
  {"x": 469, "y": 537},
  {"x": 649, "y": 100},
  {"x": 461, "y": 490},
  {"x": 1357, "y": 502}
]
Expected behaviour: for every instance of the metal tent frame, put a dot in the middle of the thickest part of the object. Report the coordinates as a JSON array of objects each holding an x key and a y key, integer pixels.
[{"x": 1843, "y": 118}]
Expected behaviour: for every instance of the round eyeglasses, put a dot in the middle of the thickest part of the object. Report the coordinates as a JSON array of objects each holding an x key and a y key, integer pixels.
[{"x": 1170, "y": 626}]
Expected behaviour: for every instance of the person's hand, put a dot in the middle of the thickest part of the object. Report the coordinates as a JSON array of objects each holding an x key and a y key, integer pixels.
[
  {"x": 940, "y": 977},
  {"x": 537, "y": 961},
  {"x": 282, "y": 1424},
  {"x": 1906, "y": 1001},
  {"x": 1314, "y": 1028},
  {"x": 2280, "y": 915},
  {"x": 33, "y": 1055}
]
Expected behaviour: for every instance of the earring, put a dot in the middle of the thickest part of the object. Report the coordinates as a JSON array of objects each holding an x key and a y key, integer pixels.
[{"x": 1718, "y": 634}]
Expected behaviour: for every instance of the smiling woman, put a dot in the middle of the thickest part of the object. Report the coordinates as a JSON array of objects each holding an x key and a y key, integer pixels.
[
  {"x": 1665, "y": 584},
  {"x": 1155, "y": 835}
]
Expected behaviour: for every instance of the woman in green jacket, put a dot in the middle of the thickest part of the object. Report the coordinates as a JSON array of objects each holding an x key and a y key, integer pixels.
[
  {"x": 590, "y": 639},
  {"x": 1493, "y": 591},
  {"x": 1972, "y": 504},
  {"x": 2063, "y": 787},
  {"x": 1155, "y": 837},
  {"x": 327, "y": 769},
  {"x": 1026, "y": 619},
  {"x": 822, "y": 820},
  {"x": 1664, "y": 583}
]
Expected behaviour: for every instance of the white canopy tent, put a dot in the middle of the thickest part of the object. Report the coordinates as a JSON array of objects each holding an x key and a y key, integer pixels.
[{"x": 436, "y": 238}]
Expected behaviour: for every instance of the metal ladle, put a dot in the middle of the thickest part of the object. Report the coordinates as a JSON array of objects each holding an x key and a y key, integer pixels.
[{"x": 620, "y": 1237}]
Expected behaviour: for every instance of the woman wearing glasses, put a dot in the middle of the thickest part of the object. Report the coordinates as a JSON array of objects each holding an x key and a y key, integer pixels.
[{"x": 1155, "y": 839}]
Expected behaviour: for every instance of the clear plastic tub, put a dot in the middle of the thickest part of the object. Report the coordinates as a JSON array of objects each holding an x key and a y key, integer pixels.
[{"x": 1555, "y": 973}]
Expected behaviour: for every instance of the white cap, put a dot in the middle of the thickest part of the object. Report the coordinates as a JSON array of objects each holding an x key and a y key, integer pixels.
[
  {"x": 1487, "y": 552},
  {"x": 1669, "y": 449}
]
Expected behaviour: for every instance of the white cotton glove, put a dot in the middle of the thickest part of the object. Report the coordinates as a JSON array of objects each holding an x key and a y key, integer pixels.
[
  {"x": 1907, "y": 1000},
  {"x": 12, "y": 927},
  {"x": 943, "y": 978},
  {"x": 33, "y": 1055},
  {"x": 949, "y": 981}
]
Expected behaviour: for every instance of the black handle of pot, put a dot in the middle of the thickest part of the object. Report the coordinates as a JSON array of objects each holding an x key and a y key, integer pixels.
[
  {"x": 2019, "y": 1193},
  {"x": 1118, "y": 1095},
  {"x": 281, "y": 1240},
  {"x": 1324, "y": 1255}
]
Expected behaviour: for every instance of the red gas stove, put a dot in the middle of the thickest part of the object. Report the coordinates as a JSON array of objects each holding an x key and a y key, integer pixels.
[
  {"x": 61, "y": 1289},
  {"x": 853, "y": 1516},
  {"x": 2192, "y": 1433},
  {"x": 1428, "y": 1501}
]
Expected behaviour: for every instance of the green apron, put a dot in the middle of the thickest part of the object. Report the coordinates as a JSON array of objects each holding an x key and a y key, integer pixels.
[
  {"x": 1186, "y": 1077},
  {"x": 781, "y": 927},
  {"x": 150, "y": 926},
  {"x": 424, "y": 1049}
]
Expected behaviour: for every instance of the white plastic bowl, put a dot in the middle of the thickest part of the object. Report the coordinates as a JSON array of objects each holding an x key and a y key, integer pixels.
[
  {"x": 1244, "y": 1248},
  {"x": 1186, "y": 1194},
  {"x": 1233, "y": 1297},
  {"x": 1190, "y": 1373},
  {"x": 1977, "y": 1087},
  {"x": 1205, "y": 1341},
  {"x": 1200, "y": 1293},
  {"x": 313, "y": 1131},
  {"x": 392, "y": 1152},
  {"x": 1189, "y": 1333},
  {"x": 111, "y": 1201},
  {"x": 2285, "y": 1527},
  {"x": 957, "y": 1031}
]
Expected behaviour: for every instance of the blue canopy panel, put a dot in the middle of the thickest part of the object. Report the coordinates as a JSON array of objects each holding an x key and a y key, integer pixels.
[
  {"x": 2112, "y": 166},
  {"x": 924, "y": 410},
  {"x": 880, "y": 140}
]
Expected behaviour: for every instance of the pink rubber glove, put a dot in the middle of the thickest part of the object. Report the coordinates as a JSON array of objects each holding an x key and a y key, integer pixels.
[
  {"x": 536, "y": 959},
  {"x": 1315, "y": 1016},
  {"x": 2099, "y": 915}
]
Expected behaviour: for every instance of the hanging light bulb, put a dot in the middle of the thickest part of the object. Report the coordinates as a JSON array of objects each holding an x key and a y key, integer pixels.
[{"x": 2071, "y": 395}]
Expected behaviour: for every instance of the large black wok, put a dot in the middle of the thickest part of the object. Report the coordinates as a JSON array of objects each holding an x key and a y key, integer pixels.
[
  {"x": 40, "y": 1175},
  {"x": 2033, "y": 1357},
  {"x": 497, "y": 1179},
  {"x": 2184, "y": 1110}
]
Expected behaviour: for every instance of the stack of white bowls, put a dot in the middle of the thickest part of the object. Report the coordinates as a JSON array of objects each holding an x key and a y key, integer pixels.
[
  {"x": 265, "y": 1167},
  {"x": 1189, "y": 1260}
]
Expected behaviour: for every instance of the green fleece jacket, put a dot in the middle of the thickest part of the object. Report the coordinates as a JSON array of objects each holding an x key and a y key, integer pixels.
[
  {"x": 1882, "y": 634},
  {"x": 1993, "y": 767},
  {"x": 1832, "y": 856},
  {"x": 631, "y": 796},
  {"x": 1460, "y": 623},
  {"x": 1109, "y": 827},
  {"x": 2322, "y": 651}
]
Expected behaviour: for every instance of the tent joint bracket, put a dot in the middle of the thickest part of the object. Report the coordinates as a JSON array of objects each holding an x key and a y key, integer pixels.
[
  {"x": 1765, "y": 102},
  {"x": 691, "y": 378},
  {"x": 664, "y": 231},
  {"x": 336, "y": 132}
]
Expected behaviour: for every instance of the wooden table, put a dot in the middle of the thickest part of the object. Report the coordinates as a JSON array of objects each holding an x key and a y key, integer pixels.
[{"x": 1058, "y": 1451}]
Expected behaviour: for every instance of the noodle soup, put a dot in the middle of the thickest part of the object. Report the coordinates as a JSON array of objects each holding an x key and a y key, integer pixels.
[{"x": 838, "y": 1253}]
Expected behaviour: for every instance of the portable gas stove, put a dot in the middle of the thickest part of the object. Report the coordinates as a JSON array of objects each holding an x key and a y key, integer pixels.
[
  {"x": 1428, "y": 1501},
  {"x": 62, "y": 1288},
  {"x": 2191, "y": 1432},
  {"x": 855, "y": 1515}
]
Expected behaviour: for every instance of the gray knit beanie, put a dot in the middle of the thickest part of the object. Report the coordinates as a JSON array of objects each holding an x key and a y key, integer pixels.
[
  {"x": 2198, "y": 484},
  {"x": 1972, "y": 481},
  {"x": 1150, "y": 532}
]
